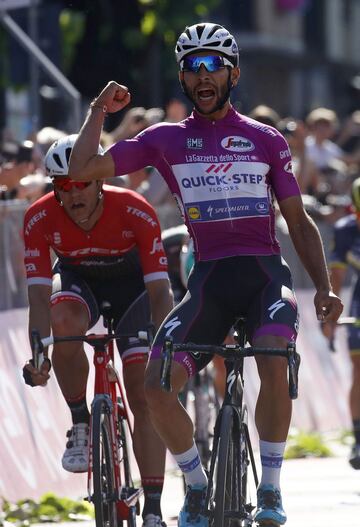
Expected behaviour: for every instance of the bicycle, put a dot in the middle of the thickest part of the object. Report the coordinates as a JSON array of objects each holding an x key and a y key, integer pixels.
[
  {"x": 228, "y": 502},
  {"x": 110, "y": 485}
]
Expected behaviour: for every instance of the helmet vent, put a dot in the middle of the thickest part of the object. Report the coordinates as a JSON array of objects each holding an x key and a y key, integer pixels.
[
  {"x": 215, "y": 28},
  {"x": 57, "y": 160},
  {"x": 67, "y": 154},
  {"x": 200, "y": 30}
]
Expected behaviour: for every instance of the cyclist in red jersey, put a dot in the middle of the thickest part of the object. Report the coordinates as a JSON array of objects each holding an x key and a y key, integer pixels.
[
  {"x": 108, "y": 246},
  {"x": 225, "y": 171}
]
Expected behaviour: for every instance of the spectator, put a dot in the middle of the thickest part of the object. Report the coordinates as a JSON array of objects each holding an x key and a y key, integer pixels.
[
  {"x": 265, "y": 115},
  {"x": 18, "y": 164}
]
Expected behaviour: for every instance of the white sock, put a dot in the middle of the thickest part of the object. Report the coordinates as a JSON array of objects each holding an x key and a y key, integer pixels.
[
  {"x": 272, "y": 455},
  {"x": 190, "y": 465}
]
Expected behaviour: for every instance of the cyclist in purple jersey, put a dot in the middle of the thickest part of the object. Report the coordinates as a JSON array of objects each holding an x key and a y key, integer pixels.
[{"x": 225, "y": 171}]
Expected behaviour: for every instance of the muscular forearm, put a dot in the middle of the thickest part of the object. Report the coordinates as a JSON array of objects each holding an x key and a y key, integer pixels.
[
  {"x": 86, "y": 146},
  {"x": 308, "y": 244},
  {"x": 39, "y": 311}
]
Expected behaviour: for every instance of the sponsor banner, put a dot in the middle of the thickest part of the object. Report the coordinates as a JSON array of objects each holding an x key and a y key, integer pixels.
[{"x": 223, "y": 209}]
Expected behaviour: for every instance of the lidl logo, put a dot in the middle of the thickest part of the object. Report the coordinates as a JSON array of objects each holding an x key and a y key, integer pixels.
[{"x": 194, "y": 213}]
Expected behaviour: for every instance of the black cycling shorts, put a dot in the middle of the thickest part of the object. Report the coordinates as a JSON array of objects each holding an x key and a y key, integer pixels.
[
  {"x": 128, "y": 299},
  {"x": 219, "y": 291}
]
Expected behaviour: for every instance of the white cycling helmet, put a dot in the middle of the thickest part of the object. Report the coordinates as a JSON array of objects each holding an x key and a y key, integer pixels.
[
  {"x": 207, "y": 36},
  {"x": 58, "y": 156}
]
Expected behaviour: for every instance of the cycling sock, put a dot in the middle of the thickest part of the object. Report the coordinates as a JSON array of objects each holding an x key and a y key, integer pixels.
[
  {"x": 190, "y": 465},
  {"x": 356, "y": 429},
  {"x": 152, "y": 495},
  {"x": 79, "y": 409},
  {"x": 272, "y": 455}
]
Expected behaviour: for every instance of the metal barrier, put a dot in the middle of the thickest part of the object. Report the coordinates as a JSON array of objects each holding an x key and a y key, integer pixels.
[{"x": 12, "y": 272}]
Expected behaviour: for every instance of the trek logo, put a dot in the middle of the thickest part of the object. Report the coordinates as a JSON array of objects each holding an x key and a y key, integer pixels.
[
  {"x": 194, "y": 143},
  {"x": 171, "y": 325},
  {"x": 37, "y": 217},
  {"x": 157, "y": 246},
  {"x": 275, "y": 307},
  {"x": 237, "y": 143},
  {"x": 141, "y": 214}
]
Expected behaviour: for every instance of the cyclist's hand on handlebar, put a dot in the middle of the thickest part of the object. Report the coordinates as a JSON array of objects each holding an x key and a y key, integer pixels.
[
  {"x": 328, "y": 306},
  {"x": 114, "y": 96},
  {"x": 37, "y": 376}
]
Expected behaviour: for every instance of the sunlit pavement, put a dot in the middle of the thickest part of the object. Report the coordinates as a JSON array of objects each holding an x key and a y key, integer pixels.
[{"x": 316, "y": 493}]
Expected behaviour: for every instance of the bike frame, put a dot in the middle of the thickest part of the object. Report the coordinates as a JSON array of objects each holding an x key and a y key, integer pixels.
[{"x": 109, "y": 385}]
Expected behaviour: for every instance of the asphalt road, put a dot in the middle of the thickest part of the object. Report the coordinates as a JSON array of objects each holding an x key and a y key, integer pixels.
[{"x": 316, "y": 493}]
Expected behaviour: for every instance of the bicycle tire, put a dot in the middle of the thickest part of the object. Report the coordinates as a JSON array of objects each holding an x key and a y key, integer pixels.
[
  {"x": 228, "y": 472},
  {"x": 104, "y": 498},
  {"x": 125, "y": 468}
]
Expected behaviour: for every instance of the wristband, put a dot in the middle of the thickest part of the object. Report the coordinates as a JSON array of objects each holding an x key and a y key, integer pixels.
[{"x": 102, "y": 107}]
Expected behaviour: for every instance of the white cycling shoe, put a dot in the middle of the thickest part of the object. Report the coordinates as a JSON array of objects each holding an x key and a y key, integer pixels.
[{"x": 76, "y": 455}]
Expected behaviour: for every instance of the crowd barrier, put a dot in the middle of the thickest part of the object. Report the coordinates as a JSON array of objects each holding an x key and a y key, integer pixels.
[{"x": 34, "y": 420}]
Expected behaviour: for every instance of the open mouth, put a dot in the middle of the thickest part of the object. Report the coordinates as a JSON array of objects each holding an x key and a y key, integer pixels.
[
  {"x": 77, "y": 206},
  {"x": 206, "y": 94}
]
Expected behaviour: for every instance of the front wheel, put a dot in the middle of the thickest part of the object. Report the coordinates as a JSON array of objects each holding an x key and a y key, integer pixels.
[
  {"x": 227, "y": 511},
  {"x": 104, "y": 497}
]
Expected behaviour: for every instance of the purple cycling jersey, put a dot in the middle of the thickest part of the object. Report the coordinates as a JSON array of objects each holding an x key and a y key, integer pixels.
[{"x": 224, "y": 176}]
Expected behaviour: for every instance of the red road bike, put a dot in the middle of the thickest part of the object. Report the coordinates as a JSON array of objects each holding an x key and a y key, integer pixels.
[{"x": 110, "y": 484}]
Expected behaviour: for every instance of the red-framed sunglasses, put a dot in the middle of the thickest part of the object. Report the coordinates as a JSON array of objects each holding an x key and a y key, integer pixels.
[{"x": 65, "y": 184}]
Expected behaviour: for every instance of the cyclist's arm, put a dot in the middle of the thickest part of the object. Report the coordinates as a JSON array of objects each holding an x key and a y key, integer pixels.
[
  {"x": 39, "y": 309},
  {"x": 161, "y": 300},
  {"x": 308, "y": 244},
  {"x": 85, "y": 163}
]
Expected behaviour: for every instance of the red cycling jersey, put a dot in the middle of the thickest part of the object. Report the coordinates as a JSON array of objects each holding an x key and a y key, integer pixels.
[{"x": 125, "y": 240}]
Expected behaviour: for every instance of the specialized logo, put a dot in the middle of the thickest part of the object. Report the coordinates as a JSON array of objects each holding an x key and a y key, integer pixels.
[
  {"x": 141, "y": 214},
  {"x": 194, "y": 143},
  {"x": 37, "y": 217},
  {"x": 275, "y": 307},
  {"x": 157, "y": 246},
  {"x": 163, "y": 260},
  {"x": 171, "y": 325},
  {"x": 237, "y": 143},
  {"x": 230, "y": 381},
  {"x": 194, "y": 213}
]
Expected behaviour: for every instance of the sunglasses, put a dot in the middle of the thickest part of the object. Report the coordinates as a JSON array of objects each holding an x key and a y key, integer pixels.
[
  {"x": 211, "y": 63},
  {"x": 66, "y": 184}
]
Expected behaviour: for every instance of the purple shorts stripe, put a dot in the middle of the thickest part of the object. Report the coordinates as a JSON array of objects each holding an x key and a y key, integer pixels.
[
  {"x": 276, "y": 330},
  {"x": 272, "y": 462},
  {"x": 188, "y": 466},
  {"x": 182, "y": 358}
]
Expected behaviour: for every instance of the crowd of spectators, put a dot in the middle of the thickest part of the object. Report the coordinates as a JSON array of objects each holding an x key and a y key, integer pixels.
[{"x": 325, "y": 152}]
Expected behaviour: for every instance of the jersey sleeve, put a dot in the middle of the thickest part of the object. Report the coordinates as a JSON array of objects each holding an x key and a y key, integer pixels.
[
  {"x": 143, "y": 150},
  {"x": 282, "y": 177},
  {"x": 37, "y": 258},
  {"x": 144, "y": 223}
]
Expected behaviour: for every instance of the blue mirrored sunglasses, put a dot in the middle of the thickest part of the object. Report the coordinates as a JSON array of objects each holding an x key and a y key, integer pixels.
[{"x": 211, "y": 62}]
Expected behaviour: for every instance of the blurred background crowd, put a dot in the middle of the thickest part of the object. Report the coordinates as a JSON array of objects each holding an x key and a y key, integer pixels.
[{"x": 300, "y": 66}]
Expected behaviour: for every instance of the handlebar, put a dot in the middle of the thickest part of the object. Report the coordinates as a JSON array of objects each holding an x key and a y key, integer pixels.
[
  {"x": 232, "y": 352},
  {"x": 343, "y": 321},
  {"x": 95, "y": 340}
]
